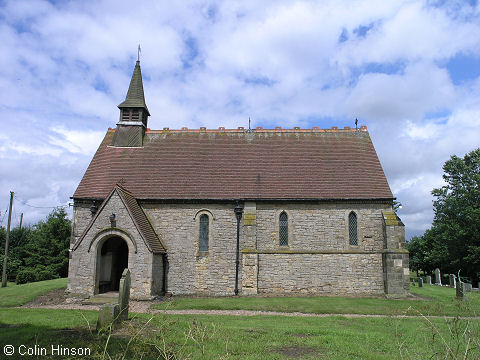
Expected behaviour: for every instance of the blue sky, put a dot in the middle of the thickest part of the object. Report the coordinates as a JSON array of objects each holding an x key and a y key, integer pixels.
[{"x": 409, "y": 70}]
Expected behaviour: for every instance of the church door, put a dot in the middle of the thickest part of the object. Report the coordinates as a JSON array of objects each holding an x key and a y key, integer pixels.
[{"x": 113, "y": 260}]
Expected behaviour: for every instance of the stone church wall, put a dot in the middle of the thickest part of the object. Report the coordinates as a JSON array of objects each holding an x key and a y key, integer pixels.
[
  {"x": 83, "y": 263},
  {"x": 318, "y": 258},
  {"x": 189, "y": 270},
  {"x": 320, "y": 273}
]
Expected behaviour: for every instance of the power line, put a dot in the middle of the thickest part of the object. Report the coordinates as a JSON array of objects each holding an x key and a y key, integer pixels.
[
  {"x": 24, "y": 202},
  {"x": 3, "y": 218}
]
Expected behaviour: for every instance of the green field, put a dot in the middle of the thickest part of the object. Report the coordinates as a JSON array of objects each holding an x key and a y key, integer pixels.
[
  {"x": 17, "y": 295},
  {"x": 257, "y": 337},
  {"x": 429, "y": 300}
]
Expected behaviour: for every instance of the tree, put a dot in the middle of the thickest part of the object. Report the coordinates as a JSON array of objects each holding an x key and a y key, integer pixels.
[
  {"x": 16, "y": 249},
  {"x": 418, "y": 251},
  {"x": 46, "y": 250},
  {"x": 454, "y": 237}
]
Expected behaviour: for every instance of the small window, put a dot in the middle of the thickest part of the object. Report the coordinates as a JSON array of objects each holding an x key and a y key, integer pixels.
[
  {"x": 203, "y": 235},
  {"x": 352, "y": 228},
  {"x": 283, "y": 229}
]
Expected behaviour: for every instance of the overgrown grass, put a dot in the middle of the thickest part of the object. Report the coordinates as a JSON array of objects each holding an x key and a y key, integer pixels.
[
  {"x": 232, "y": 337},
  {"x": 258, "y": 337},
  {"x": 429, "y": 300},
  {"x": 17, "y": 295}
]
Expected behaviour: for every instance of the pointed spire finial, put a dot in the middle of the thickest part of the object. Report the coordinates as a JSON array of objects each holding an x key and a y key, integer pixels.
[
  {"x": 356, "y": 123},
  {"x": 249, "y": 128},
  {"x": 138, "y": 54},
  {"x": 135, "y": 97}
]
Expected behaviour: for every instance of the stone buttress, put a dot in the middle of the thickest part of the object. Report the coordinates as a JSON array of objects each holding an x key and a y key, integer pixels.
[{"x": 396, "y": 270}]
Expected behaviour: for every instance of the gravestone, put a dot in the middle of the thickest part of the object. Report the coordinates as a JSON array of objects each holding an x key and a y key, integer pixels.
[
  {"x": 124, "y": 294},
  {"x": 108, "y": 315},
  {"x": 438, "y": 279},
  {"x": 467, "y": 287},
  {"x": 460, "y": 290},
  {"x": 420, "y": 282},
  {"x": 429, "y": 280},
  {"x": 453, "y": 281}
]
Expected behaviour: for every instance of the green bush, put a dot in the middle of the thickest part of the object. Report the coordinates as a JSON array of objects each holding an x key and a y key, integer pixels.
[
  {"x": 46, "y": 273},
  {"x": 38, "y": 273},
  {"x": 26, "y": 275}
]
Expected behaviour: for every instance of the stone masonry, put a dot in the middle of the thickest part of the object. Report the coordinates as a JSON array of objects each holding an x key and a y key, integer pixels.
[
  {"x": 396, "y": 270},
  {"x": 83, "y": 265},
  {"x": 317, "y": 260}
]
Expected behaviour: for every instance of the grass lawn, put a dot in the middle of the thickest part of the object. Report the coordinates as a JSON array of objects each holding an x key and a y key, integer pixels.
[
  {"x": 17, "y": 295},
  {"x": 230, "y": 337},
  {"x": 258, "y": 337},
  {"x": 431, "y": 300}
]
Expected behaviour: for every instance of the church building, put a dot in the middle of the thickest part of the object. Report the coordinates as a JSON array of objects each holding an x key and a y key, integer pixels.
[{"x": 234, "y": 211}]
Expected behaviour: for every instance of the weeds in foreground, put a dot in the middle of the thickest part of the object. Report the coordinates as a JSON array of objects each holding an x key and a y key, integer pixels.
[
  {"x": 139, "y": 338},
  {"x": 461, "y": 340}
]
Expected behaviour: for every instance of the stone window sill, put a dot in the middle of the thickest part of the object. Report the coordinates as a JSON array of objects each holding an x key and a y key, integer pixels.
[{"x": 202, "y": 253}]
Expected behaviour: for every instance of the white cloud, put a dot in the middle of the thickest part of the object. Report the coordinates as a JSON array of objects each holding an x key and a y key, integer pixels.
[
  {"x": 422, "y": 88},
  {"x": 212, "y": 63},
  {"x": 75, "y": 141}
]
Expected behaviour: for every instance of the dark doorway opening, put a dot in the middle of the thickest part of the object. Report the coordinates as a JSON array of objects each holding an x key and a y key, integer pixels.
[{"x": 113, "y": 260}]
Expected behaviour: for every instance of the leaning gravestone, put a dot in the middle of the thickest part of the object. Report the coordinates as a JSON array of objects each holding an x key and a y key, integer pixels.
[
  {"x": 438, "y": 279},
  {"x": 124, "y": 294},
  {"x": 467, "y": 287},
  {"x": 108, "y": 316},
  {"x": 420, "y": 282},
  {"x": 460, "y": 290},
  {"x": 453, "y": 281},
  {"x": 429, "y": 280}
]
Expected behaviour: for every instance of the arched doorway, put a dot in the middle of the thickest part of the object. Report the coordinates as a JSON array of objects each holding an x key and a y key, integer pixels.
[{"x": 112, "y": 260}]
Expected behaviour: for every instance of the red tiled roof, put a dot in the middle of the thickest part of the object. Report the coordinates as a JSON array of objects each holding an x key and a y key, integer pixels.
[{"x": 234, "y": 164}]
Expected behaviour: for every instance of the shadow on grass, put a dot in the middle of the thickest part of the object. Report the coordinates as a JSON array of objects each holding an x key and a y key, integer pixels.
[{"x": 28, "y": 340}]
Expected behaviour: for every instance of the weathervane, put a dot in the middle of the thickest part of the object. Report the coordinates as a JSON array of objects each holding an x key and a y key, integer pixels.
[
  {"x": 249, "y": 130},
  {"x": 138, "y": 54}
]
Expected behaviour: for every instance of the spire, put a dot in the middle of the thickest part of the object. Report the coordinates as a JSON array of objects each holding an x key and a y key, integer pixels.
[
  {"x": 133, "y": 113},
  {"x": 135, "y": 96}
]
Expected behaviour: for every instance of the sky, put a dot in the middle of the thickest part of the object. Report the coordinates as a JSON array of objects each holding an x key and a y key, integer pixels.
[{"x": 409, "y": 70}]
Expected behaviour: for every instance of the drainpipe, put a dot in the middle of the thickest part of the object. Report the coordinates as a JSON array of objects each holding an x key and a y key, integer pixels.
[
  {"x": 238, "y": 213},
  {"x": 165, "y": 270}
]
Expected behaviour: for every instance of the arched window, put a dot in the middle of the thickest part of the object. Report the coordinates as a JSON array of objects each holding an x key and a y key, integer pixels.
[
  {"x": 352, "y": 228},
  {"x": 283, "y": 229},
  {"x": 203, "y": 233}
]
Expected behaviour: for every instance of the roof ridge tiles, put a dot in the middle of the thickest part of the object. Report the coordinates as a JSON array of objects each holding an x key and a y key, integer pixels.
[{"x": 258, "y": 129}]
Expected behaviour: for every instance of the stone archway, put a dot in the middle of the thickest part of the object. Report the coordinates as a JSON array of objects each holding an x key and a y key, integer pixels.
[{"x": 112, "y": 259}]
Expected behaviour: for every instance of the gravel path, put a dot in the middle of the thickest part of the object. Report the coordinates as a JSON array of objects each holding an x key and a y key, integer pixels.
[
  {"x": 144, "y": 307},
  {"x": 56, "y": 300}
]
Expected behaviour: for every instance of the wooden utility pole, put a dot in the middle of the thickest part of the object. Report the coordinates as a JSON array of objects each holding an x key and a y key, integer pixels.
[
  {"x": 4, "y": 272},
  {"x": 21, "y": 221}
]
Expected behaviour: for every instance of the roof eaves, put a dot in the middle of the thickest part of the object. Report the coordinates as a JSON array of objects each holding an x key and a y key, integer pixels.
[{"x": 122, "y": 193}]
